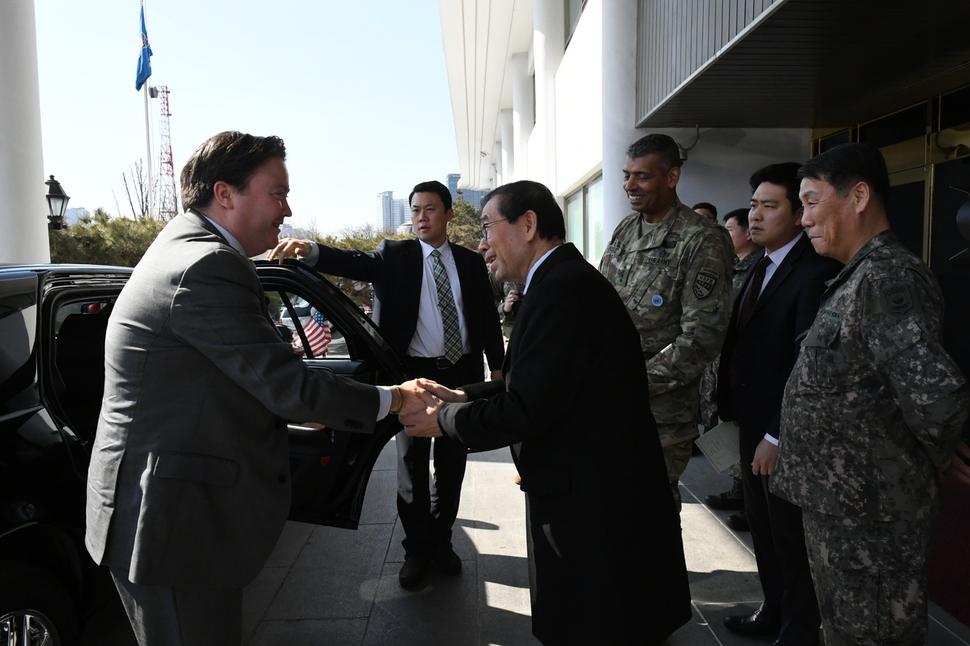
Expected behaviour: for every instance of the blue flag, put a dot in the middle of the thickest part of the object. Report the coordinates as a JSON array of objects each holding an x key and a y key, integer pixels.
[{"x": 145, "y": 58}]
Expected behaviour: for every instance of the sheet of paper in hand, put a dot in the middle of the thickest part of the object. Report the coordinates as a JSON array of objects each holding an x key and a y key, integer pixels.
[{"x": 720, "y": 445}]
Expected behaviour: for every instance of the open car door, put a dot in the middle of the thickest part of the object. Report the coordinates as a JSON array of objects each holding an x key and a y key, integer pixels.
[{"x": 330, "y": 468}]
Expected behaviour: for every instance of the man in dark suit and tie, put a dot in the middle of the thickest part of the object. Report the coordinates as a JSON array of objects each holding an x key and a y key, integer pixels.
[
  {"x": 605, "y": 550},
  {"x": 777, "y": 302},
  {"x": 434, "y": 304},
  {"x": 188, "y": 485}
]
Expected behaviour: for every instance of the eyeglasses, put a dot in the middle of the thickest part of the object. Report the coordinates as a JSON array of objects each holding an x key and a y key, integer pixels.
[{"x": 486, "y": 225}]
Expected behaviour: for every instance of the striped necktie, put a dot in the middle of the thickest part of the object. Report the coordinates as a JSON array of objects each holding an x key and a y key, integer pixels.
[{"x": 446, "y": 304}]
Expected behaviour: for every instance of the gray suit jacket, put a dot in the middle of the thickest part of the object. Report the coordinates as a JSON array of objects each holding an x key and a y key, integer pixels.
[{"x": 189, "y": 477}]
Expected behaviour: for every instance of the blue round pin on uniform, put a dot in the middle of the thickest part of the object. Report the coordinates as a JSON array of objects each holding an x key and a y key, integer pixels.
[{"x": 657, "y": 300}]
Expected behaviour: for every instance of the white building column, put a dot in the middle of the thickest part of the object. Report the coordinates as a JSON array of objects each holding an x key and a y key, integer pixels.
[
  {"x": 507, "y": 159},
  {"x": 523, "y": 115},
  {"x": 549, "y": 24},
  {"x": 23, "y": 221},
  {"x": 619, "y": 106}
]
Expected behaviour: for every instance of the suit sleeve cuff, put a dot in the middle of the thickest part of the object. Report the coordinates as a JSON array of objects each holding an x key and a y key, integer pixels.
[
  {"x": 313, "y": 257},
  {"x": 772, "y": 439},
  {"x": 385, "y": 404}
]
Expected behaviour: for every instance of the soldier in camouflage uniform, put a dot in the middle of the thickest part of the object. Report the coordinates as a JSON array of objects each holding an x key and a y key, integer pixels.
[
  {"x": 744, "y": 246},
  {"x": 874, "y": 406},
  {"x": 672, "y": 268},
  {"x": 506, "y": 295}
]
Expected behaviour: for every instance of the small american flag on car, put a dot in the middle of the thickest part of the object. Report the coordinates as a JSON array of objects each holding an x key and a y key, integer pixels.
[{"x": 317, "y": 330}]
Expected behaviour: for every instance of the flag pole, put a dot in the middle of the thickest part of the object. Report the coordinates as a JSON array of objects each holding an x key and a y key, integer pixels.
[
  {"x": 148, "y": 141},
  {"x": 148, "y": 121},
  {"x": 144, "y": 73}
]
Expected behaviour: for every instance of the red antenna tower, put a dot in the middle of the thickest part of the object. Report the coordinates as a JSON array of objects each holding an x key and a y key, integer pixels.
[{"x": 167, "y": 202}]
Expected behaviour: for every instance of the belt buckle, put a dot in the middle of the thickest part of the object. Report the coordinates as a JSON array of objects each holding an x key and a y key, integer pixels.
[{"x": 442, "y": 363}]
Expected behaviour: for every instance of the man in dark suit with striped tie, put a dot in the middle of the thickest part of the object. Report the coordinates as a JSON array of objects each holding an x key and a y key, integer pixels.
[{"x": 433, "y": 302}]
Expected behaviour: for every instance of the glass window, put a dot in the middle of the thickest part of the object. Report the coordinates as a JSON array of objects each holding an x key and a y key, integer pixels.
[
  {"x": 584, "y": 219},
  {"x": 594, "y": 221},
  {"x": 830, "y": 142},
  {"x": 308, "y": 331},
  {"x": 575, "y": 231},
  {"x": 955, "y": 109},
  {"x": 18, "y": 329},
  {"x": 901, "y": 126},
  {"x": 573, "y": 10}
]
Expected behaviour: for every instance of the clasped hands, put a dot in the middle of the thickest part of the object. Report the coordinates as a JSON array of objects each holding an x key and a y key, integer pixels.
[{"x": 422, "y": 400}]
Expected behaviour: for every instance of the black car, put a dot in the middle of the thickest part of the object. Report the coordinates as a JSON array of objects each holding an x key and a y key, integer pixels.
[{"x": 52, "y": 325}]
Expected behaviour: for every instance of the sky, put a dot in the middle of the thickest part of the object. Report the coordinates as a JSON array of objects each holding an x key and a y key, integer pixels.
[{"x": 357, "y": 90}]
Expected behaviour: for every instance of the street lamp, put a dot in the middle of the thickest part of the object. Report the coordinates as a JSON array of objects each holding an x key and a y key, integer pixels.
[{"x": 56, "y": 204}]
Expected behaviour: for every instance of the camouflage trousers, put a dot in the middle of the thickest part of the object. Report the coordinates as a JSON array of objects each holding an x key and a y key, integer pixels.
[
  {"x": 707, "y": 410},
  {"x": 870, "y": 578},
  {"x": 676, "y": 454}
]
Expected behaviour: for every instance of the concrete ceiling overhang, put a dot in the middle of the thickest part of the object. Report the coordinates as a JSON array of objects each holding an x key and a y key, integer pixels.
[
  {"x": 827, "y": 63},
  {"x": 480, "y": 37}
]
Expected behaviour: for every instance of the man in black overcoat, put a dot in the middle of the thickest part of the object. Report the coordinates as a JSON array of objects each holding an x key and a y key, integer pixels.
[{"x": 604, "y": 543}]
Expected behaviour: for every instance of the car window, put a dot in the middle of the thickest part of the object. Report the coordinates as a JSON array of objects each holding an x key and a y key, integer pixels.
[
  {"x": 310, "y": 333},
  {"x": 18, "y": 326}
]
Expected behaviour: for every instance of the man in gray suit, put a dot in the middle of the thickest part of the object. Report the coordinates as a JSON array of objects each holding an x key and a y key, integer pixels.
[{"x": 188, "y": 486}]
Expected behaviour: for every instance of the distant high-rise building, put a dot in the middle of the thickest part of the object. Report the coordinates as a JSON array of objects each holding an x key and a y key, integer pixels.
[
  {"x": 72, "y": 215},
  {"x": 472, "y": 197},
  {"x": 386, "y": 211},
  {"x": 391, "y": 213}
]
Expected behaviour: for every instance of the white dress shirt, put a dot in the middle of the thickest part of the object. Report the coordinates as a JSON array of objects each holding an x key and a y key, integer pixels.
[
  {"x": 429, "y": 335},
  {"x": 777, "y": 257}
]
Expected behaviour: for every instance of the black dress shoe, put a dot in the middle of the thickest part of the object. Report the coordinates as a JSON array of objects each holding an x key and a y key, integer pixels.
[
  {"x": 413, "y": 572},
  {"x": 447, "y": 561},
  {"x": 738, "y": 522},
  {"x": 753, "y": 625},
  {"x": 732, "y": 499},
  {"x": 779, "y": 642}
]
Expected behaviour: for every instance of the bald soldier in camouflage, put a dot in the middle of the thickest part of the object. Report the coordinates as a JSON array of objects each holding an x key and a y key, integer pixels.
[
  {"x": 672, "y": 269},
  {"x": 872, "y": 410}
]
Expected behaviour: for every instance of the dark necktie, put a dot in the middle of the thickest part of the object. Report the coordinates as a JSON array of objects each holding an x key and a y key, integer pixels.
[{"x": 754, "y": 290}]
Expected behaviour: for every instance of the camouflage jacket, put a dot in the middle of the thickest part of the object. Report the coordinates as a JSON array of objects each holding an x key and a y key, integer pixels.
[
  {"x": 874, "y": 404},
  {"x": 676, "y": 284},
  {"x": 740, "y": 269}
]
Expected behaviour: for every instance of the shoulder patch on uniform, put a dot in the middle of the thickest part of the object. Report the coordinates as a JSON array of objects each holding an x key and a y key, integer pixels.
[
  {"x": 898, "y": 299},
  {"x": 705, "y": 281}
]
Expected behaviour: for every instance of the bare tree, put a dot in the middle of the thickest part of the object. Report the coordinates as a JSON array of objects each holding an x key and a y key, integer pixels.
[{"x": 136, "y": 182}]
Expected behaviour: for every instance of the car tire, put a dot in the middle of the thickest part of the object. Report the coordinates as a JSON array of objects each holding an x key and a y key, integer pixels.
[{"x": 33, "y": 600}]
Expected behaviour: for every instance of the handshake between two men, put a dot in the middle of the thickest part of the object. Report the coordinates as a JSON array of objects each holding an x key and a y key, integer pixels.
[{"x": 417, "y": 405}]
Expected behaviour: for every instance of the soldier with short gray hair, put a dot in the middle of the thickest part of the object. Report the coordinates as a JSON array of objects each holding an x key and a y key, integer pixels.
[{"x": 872, "y": 411}]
